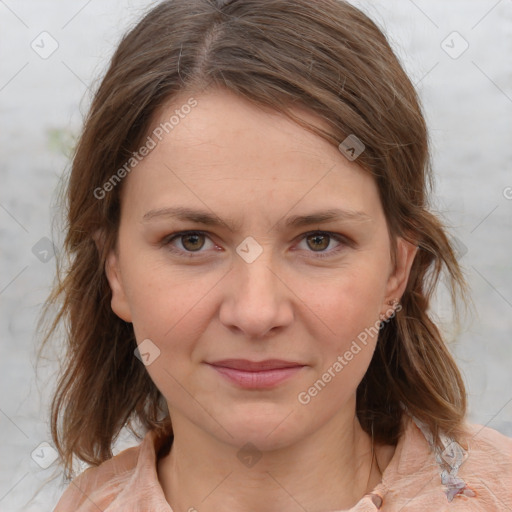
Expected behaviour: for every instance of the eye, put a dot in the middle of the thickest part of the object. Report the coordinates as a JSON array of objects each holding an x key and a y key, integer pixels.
[
  {"x": 190, "y": 242},
  {"x": 319, "y": 241}
]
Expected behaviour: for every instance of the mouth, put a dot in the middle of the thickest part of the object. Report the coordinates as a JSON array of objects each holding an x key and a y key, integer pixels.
[{"x": 256, "y": 374}]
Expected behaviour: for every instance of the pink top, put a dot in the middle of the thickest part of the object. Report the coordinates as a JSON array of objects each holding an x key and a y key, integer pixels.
[{"x": 416, "y": 478}]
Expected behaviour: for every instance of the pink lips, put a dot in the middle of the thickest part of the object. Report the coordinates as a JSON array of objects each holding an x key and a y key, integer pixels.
[{"x": 256, "y": 375}]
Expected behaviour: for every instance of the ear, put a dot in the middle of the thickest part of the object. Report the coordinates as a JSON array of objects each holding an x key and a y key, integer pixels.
[
  {"x": 119, "y": 303},
  {"x": 397, "y": 281}
]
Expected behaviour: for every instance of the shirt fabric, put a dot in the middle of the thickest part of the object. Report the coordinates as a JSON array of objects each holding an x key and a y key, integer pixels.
[{"x": 417, "y": 478}]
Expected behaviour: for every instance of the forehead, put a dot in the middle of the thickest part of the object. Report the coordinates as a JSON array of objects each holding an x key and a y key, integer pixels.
[
  {"x": 222, "y": 147},
  {"x": 224, "y": 124}
]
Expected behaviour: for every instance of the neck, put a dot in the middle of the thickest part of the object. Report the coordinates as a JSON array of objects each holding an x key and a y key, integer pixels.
[{"x": 329, "y": 469}]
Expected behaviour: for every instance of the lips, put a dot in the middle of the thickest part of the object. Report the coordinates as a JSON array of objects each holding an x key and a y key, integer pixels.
[
  {"x": 256, "y": 375},
  {"x": 255, "y": 366}
]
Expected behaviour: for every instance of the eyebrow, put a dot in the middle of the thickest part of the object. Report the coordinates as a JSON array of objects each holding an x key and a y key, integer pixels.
[{"x": 210, "y": 219}]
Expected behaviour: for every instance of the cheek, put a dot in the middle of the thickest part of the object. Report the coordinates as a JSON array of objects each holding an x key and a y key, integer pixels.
[
  {"x": 168, "y": 305},
  {"x": 171, "y": 309},
  {"x": 349, "y": 306},
  {"x": 350, "y": 302}
]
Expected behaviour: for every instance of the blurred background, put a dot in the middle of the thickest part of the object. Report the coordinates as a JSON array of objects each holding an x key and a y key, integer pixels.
[{"x": 51, "y": 55}]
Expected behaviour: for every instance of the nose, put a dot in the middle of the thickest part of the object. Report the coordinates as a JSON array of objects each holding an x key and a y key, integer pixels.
[{"x": 256, "y": 299}]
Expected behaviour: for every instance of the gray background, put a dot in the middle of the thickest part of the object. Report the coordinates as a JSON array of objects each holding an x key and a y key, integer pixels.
[{"x": 468, "y": 104}]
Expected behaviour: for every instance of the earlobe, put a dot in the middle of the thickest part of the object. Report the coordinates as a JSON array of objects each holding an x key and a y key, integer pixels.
[
  {"x": 397, "y": 282},
  {"x": 119, "y": 303}
]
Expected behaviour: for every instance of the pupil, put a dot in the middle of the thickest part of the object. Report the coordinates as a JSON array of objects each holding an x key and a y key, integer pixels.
[
  {"x": 194, "y": 239},
  {"x": 323, "y": 238}
]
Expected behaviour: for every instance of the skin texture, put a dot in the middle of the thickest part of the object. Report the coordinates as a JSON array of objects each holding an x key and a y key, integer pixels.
[{"x": 255, "y": 168}]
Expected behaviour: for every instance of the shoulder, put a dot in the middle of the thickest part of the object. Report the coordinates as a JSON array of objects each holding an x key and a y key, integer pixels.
[
  {"x": 474, "y": 475},
  {"x": 477, "y": 474},
  {"x": 489, "y": 453},
  {"x": 487, "y": 440},
  {"x": 488, "y": 464},
  {"x": 98, "y": 486}
]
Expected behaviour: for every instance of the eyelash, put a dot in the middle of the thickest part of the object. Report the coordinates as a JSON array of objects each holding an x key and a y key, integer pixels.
[{"x": 344, "y": 241}]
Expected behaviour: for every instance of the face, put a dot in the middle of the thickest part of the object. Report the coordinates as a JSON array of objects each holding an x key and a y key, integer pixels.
[{"x": 225, "y": 251}]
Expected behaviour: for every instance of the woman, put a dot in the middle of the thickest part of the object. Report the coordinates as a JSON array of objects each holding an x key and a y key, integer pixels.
[{"x": 252, "y": 260}]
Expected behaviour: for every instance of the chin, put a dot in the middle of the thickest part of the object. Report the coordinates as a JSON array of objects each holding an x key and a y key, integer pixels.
[{"x": 267, "y": 429}]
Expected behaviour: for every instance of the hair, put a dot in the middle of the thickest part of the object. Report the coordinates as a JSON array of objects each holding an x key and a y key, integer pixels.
[{"x": 325, "y": 56}]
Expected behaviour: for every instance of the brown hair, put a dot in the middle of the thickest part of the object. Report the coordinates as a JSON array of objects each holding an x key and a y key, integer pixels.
[{"x": 323, "y": 55}]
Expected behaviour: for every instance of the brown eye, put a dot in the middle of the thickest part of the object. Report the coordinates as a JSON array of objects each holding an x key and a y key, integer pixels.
[
  {"x": 318, "y": 241},
  {"x": 189, "y": 244},
  {"x": 192, "y": 241},
  {"x": 324, "y": 244}
]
